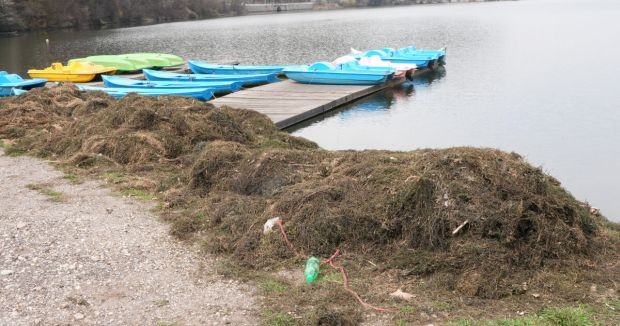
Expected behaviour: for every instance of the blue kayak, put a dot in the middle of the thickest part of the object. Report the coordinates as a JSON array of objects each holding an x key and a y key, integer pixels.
[
  {"x": 215, "y": 86},
  {"x": 246, "y": 80},
  {"x": 328, "y": 74},
  {"x": 11, "y": 82},
  {"x": 200, "y": 67},
  {"x": 197, "y": 93}
]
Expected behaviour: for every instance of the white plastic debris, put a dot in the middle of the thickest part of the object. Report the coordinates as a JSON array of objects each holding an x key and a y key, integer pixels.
[
  {"x": 268, "y": 227},
  {"x": 402, "y": 295}
]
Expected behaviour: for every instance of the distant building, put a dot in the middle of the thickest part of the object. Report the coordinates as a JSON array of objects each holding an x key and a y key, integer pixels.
[{"x": 278, "y": 6}]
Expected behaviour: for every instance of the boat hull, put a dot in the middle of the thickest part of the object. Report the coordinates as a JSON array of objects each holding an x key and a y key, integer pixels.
[
  {"x": 60, "y": 77},
  {"x": 327, "y": 78},
  {"x": 411, "y": 50},
  {"x": 15, "y": 81},
  {"x": 8, "y": 91},
  {"x": 217, "y": 87},
  {"x": 75, "y": 72},
  {"x": 197, "y": 93},
  {"x": 159, "y": 60},
  {"x": 246, "y": 80},
  {"x": 199, "y": 67},
  {"x": 120, "y": 63}
]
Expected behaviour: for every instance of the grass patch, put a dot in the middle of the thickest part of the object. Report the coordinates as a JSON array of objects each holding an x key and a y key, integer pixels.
[
  {"x": 406, "y": 309},
  {"x": 334, "y": 277},
  {"x": 401, "y": 322},
  {"x": 230, "y": 270},
  {"x": 137, "y": 193},
  {"x": 613, "y": 305},
  {"x": 274, "y": 286},
  {"x": 272, "y": 318},
  {"x": 46, "y": 190},
  {"x": 442, "y": 305},
  {"x": 522, "y": 321},
  {"x": 114, "y": 177},
  {"x": 13, "y": 152},
  {"x": 72, "y": 178},
  {"x": 161, "y": 303},
  {"x": 163, "y": 323},
  {"x": 9, "y": 150},
  {"x": 78, "y": 301},
  {"x": 567, "y": 316}
]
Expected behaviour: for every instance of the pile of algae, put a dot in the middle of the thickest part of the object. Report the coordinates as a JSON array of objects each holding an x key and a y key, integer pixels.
[{"x": 221, "y": 173}]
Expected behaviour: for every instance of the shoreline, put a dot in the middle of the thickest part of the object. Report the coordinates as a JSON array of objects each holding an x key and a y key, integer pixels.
[{"x": 17, "y": 33}]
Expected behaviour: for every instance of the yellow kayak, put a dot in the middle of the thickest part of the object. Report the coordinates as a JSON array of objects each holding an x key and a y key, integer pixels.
[{"x": 76, "y": 72}]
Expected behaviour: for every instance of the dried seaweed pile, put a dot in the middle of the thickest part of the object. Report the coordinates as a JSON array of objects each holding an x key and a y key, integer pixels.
[{"x": 223, "y": 172}]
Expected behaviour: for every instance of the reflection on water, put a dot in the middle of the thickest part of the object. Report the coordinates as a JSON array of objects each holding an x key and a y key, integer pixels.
[
  {"x": 536, "y": 77},
  {"x": 377, "y": 104},
  {"x": 427, "y": 79}
]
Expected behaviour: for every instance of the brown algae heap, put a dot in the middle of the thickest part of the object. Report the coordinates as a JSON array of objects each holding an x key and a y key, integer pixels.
[{"x": 452, "y": 223}]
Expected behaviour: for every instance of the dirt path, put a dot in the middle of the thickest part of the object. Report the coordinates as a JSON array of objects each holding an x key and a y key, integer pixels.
[{"x": 86, "y": 256}]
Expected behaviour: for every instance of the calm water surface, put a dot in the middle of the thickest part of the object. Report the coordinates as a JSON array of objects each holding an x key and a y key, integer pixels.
[{"x": 538, "y": 77}]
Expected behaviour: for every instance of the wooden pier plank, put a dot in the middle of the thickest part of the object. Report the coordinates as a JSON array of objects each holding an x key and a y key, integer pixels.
[{"x": 287, "y": 102}]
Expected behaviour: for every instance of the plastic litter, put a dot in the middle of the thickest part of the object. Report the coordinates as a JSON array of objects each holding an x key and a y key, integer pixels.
[
  {"x": 312, "y": 269},
  {"x": 268, "y": 227}
]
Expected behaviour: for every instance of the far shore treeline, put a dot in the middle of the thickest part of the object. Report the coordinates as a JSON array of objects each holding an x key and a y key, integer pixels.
[
  {"x": 22, "y": 15},
  {"x": 25, "y": 15}
]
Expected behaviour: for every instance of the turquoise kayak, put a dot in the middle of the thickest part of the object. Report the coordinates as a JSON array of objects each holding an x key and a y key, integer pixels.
[
  {"x": 328, "y": 74},
  {"x": 215, "y": 86},
  {"x": 200, "y": 67},
  {"x": 246, "y": 80},
  {"x": 197, "y": 93}
]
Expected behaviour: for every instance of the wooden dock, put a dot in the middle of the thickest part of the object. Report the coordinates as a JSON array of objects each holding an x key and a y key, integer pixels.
[{"x": 287, "y": 103}]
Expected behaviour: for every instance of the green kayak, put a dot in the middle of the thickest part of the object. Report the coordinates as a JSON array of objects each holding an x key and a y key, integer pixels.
[
  {"x": 159, "y": 60},
  {"x": 121, "y": 63},
  {"x": 134, "y": 61}
]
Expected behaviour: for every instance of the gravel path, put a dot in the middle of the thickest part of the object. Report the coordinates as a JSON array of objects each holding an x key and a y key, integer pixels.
[{"x": 95, "y": 258}]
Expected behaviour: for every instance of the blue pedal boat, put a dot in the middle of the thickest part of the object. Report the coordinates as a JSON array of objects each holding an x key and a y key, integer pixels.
[
  {"x": 422, "y": 61},
  {"x": 200, "y": 67},
  {"x": 11, "y": 82},
  {"x": 216, "y": 86},
  {"x": 246, "y": 80},
  {"x": 11, "y": 91},
  {"x": 356, "y": 66},
  {"x": 412, "y": 50},
  {"x": 202, "y": 94},
  {"x": 328, "y": 74},
  {"x": 18, "y": 92}
]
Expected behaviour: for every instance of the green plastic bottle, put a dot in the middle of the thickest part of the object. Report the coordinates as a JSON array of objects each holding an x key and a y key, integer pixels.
[{"x": 312, "y": 269}]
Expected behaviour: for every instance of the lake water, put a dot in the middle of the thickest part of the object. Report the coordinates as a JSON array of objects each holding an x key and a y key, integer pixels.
[{"x": 537, "y": 77}]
